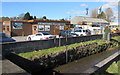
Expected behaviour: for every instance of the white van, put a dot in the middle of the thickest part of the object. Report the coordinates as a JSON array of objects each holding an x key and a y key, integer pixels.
[{"x": 83, "y": 32}]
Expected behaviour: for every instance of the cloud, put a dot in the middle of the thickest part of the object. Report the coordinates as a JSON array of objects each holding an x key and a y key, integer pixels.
[
  {"x": 116, "y": 15},
  {"x": 79, "y": 12},
  {"x": 113, "y": 6},
  {"x": 110, "y": 5},
  {"x": 106, "y": 0},
  {"x": 83, "y": 5}
]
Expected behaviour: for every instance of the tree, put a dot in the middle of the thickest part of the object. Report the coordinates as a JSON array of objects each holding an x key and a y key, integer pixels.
[
  {"x": 35, "y": 17},
  {"x": 109, "y": 14},
  {"x": 94, "y": 13},
  {"x": 62, "y": 19},
  {"x": 21, "y": 15},
  {"x": 27, "y": 16},
  {"x": 31, "y": 17},
  {"x": 5, "y": 19},
  {"x": 44, "y": 17},
  {"x": 102, "y": 15}
]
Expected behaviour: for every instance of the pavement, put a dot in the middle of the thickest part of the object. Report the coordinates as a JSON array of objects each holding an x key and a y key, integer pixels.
[
  {"x": 20, "y": 38},
  {"x": 9, "y": 68}
]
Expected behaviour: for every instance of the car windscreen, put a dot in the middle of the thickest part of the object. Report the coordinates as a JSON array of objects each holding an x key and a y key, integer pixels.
[
  {"x": 38, "y": 34},
  {"x": 88, "y": 31},
  {"x": 46, "y": 34},
  {"x": 72, "y": 32},
  {"x": 78, "y": 31}
]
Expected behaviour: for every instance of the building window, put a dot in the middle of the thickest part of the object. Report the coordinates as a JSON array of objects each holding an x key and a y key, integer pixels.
[
  {"x": 7, "y": 28},
  {"x": 61, "y": 27},
  {"x": 3, "y": 27},
  {"x": 41, "y": 28},
  {"x": 47, "y": 27},
  {"x": 35, "y": 28},
  {"x": 84, "y": 23}
]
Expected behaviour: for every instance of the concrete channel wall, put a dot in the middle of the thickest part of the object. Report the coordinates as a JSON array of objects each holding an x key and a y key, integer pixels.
[
  {"x": 96, "y": 63},
  {"x": 28, "y": 46}
]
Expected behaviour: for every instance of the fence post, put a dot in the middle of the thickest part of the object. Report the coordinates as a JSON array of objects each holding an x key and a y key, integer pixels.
[
  {"x": 66, "y": 54},
  {"x": 55, "y": 41},
  {"x": 59, "y": 41},
  {"x": 66, "y": 49}
]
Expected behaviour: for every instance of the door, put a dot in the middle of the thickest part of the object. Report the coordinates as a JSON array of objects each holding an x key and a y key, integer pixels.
[
  {"x": 56, "y": 30},
  {"x": 34, "y": 29}
]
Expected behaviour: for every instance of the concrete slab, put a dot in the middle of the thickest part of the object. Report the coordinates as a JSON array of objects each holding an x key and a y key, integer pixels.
[{"x": 10, "y": 68}]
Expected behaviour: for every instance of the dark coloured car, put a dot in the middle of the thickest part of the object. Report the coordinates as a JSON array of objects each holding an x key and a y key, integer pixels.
[
  {"x": 68, "y": 33},
  {"x": 5, "y": 38}
]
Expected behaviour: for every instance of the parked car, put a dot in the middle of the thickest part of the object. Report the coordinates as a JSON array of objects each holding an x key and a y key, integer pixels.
[
  {"x": 68, "y": 33},
  {"x": 83, "y": 32},
  {"x": 5, "y": 38},
  {"x": 95, "y": 30},
  {"x": 40, "y": 36},
  {"x": 77, "y": 28}
]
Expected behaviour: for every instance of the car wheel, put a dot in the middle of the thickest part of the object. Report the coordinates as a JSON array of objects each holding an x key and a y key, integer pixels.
[
  {"x": 81, "y": 35},
  {"x": 29, "y": 39}
]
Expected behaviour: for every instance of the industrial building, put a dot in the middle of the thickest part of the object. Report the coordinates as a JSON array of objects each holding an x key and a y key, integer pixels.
[
  {"x": 94, "y": 24},
  {"x": 24, "y": 28}
]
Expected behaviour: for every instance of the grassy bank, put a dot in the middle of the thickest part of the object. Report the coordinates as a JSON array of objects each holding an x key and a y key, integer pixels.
[
  {"x": 117, "y": 38},
  {"x": 114, "y": 68},
  {"x": 40, "y": 53}
]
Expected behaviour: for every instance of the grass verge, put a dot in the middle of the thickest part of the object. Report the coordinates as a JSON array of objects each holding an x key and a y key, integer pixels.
[
  {"x": 114, "y": 68},
  {"x": 117, "y": 38},
  {"x": 40, "y": 53}
]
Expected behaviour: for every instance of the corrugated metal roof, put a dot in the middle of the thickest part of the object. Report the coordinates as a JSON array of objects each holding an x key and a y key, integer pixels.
[{"x": 78, "y": 19}]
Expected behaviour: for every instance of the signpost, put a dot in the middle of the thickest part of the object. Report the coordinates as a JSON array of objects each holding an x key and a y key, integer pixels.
[
  {"x": 17, "y": 25},
  {"x": 107, "y": 33}
]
